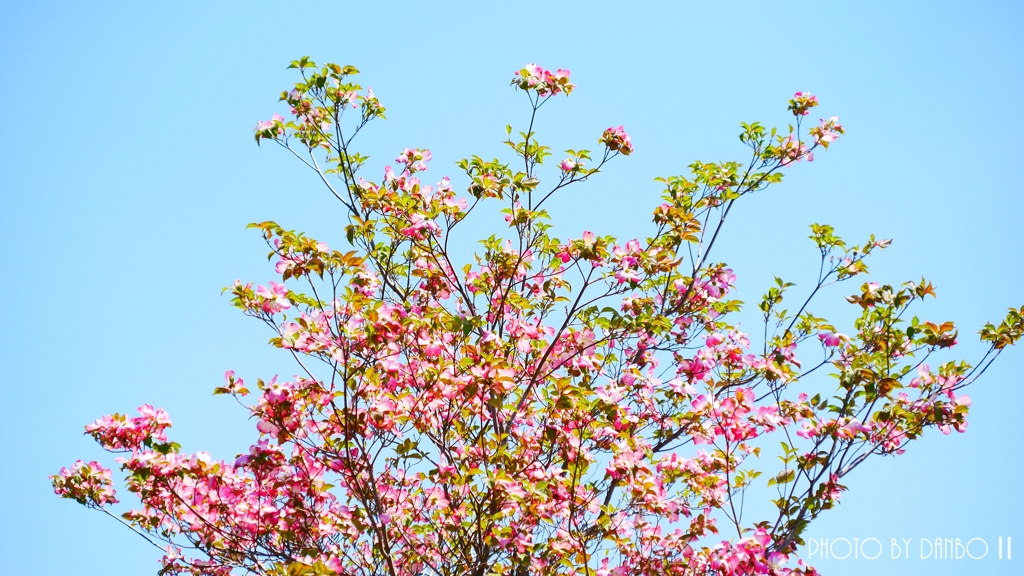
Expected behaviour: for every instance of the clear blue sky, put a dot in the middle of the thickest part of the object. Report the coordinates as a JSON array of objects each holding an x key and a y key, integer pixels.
[{"x": 128, "y": 172}]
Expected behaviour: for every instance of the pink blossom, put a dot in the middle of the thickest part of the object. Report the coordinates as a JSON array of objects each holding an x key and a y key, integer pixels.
[
  {"x": 793, "y": 150},
  {"x": 616, "y": 139},
  {"x": 273, "y": 299},
  {"x": 414, "y": 160},
  {"x": 802, "y": 103},
  {"x": 270, "y": 128},
  {"x": 544, "y": 82},
  {"x": 89, "y": 484},
  {"x": 833, "y": 339},
  {"x": 456, "y": 203}
]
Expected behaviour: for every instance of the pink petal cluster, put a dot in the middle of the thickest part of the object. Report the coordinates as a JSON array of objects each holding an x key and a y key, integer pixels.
[
  {"x": 89, "y": 484},
  {"x": 828, "y": 132},
  {"x": 617, "y": 140},
  {"x": 414, "y": 160},
  {"x": 270, "y": 128},
  {"x": 802, "y": 102},
  {"x": 544, "y": 82},
  {"x": 791, "y": 149},
  {"x": 117, "y": 432},
  {"x": 832, "y": 339}
]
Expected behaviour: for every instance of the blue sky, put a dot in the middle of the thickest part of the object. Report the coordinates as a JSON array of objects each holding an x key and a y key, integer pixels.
[{"x": 128, "y": 173}]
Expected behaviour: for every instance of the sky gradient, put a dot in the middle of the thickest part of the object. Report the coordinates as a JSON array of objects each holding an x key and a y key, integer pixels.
[{"x": 128, "y": 173}]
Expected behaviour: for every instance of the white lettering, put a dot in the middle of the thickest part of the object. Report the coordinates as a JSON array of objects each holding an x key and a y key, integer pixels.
[
  {"x": 879, "y": 548},
  {"x": 849, "y": 548},
  {"x": 819, "y": 547},
  {"x": 972, "y": 556}
]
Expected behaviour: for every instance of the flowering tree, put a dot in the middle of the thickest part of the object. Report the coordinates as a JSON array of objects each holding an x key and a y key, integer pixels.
[{"x": 580, "y": 406}]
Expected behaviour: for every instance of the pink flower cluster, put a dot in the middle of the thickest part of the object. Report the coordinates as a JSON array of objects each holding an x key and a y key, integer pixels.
[
  {"x": 117, "y": 432},
  {"x": 802, "y": 102},
  {"x": 544, "y": 82},
  {"x": 419, "y": 206},
  {"x": 752, "y": 556},
  {"x": 88, "y": 484},
  {"x": 791, "y": 149},
  {"x": 828, "y": 132},
  {"x": 274, "y": 298},
  {"x": 571, "y": 165},
  {"x": 293, "y": 262},
  {"x": 617, "y": 140},
  {"x": 629, "y": 259},
  {"x": 270, "y": 128},
  {"x": 832, "y": 339},
  {"x": 414, "y": 160}
]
